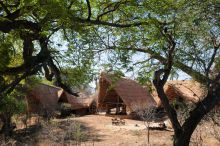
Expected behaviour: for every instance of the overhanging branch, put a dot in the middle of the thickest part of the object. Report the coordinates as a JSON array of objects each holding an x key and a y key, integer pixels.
[
  {"x": 99, "y": 22},
  {"x": 8, "y": 25},
  {"x": 193, "y": 73}
]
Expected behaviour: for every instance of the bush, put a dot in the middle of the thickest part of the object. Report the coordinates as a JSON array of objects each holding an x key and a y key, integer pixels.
[
  {"x": 9, "y": 106},
  {"x": 148, "y": 114}
]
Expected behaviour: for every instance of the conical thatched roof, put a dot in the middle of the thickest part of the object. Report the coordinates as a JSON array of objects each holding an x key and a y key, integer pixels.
[{"x": 132, "y": 94}]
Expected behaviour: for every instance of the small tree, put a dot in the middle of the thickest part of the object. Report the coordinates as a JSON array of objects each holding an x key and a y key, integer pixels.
[{"x": 147, "y": 115}]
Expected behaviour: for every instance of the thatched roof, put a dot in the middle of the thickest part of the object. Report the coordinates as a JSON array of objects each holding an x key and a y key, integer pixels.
[
  {"x": 132, "y": 94},
  {"x": 78, "y": 102},
  {"x": 48, "y": 97},
  {"x": 188, "y": 90},
  {"x": 45, "y": 95}
]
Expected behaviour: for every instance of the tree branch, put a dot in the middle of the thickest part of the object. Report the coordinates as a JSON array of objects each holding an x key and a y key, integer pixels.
[
  {"x": 193, "y": 73},
  {"x": 28, "y": 48},
  {"x": 10, "y": 87},
  {"x": 211, "y": 60},
  {"x": 116, "y": 6},
  {"x": 201, "y": 110},
  {"x": 48, "y": 74},
  {"x": 99, "y": 22},
  {"x": 169, "y": 64},
  {"x": 19, "y": 12},
  {"x": 41, "y": 57},
  {"x": 8, "y": 25},
  {"x": 89, "y": 10},
  {"x": 59, "y": 82},
  {"x": 159, "y": 84}
]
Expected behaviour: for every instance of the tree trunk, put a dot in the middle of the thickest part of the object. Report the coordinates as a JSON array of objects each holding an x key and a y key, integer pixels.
[
  {"x": 7, "y": 127},
  {"x": 182, "y": 139},
  {"x": 196, "y": 115}
]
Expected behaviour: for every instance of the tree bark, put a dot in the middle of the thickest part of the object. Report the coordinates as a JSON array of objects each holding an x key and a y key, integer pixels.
[
  {"x": 7, "y": 127},
  {"x": 181, "y": 140}
]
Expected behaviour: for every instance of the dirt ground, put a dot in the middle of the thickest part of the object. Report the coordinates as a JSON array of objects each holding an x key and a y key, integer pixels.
[{"x": 97, "y": 130}]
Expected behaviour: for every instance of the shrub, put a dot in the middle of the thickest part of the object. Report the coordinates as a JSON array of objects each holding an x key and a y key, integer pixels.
[{"x": 9, "y": 106}]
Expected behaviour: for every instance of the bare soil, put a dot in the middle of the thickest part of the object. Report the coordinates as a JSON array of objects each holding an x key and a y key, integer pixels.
[{"x": 97, "y": 130}]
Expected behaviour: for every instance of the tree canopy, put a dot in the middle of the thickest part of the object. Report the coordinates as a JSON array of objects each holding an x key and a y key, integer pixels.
[{"x": 57, "y": 38}]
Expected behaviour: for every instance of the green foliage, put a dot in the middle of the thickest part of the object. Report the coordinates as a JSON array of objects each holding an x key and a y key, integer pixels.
[
  {"x": 11, "y": 105},
  {"x": 5, "y": 53},
  {"x": 187, "y": 21},
  {"x": 32, "y": 81},
  {"x": 145, "y": 77},
  {"x": 77, "y": 77},
  {"x": 80, "y": 43},
  {"x": 77, "y": 133},
  {"x": 217, "y": 64}
]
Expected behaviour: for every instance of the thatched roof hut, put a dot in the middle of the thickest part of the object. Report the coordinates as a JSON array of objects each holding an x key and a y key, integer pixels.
[
  {"x": 186, "y": 90},
  {"x": 47, "y": 97},
  {"x": 43, "y": 97},
  {"x": 118, "y": 91}
]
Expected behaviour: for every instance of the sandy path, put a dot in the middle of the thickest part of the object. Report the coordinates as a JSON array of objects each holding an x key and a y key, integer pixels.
[{"x": 132, "y": 133}]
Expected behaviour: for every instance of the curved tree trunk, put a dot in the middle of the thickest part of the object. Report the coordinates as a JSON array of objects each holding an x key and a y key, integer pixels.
[
  {"x": 183, "y": 133},
  {"x": 196, "y": 115}
]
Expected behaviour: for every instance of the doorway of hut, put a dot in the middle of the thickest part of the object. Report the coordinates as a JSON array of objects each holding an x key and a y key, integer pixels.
[{"x": 116, "y": 107}]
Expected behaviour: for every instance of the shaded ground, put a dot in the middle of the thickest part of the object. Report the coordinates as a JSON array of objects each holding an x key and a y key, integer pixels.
[{"x": 98, "y": 130}]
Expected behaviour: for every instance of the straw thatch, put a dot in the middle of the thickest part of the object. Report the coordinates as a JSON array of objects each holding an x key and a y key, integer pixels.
[
  {"x": 43, "y": 97},
  {"x": 189, "y": 90},
  {"x": 116, "y": 91},
  {"x": 186, "y": 90},
  {"x": 46, "y": 97},
  {"x": 78, "y": 102}
]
